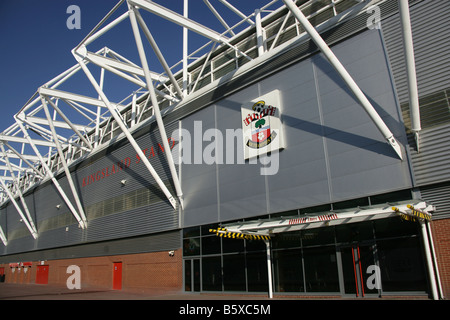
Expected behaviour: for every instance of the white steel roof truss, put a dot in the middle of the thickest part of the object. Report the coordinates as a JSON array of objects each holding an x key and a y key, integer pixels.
[
  {"x": 219, "y": 17},
  {"x": 155, "y": 104},
  {"x": 21, "y": 156},
  {"x": 22, "y": 200},
  {"x": 11, "y": 197},
  {"x": 90, "y": 135},
  {"x": 119, "y": 121},
  {"x": 48, "y": 171},
  {"x": 185, "y": 22},
  {"x": 58, "y": 124},
  {"x": 46, "y": 135},
  {"x": 23, "y": 140},
  {"x": 68, "y": 122},
  {"x": 134, "y": 79},
  {"x": 158, "y": 53},
  {"x": 65, "y": 166}
]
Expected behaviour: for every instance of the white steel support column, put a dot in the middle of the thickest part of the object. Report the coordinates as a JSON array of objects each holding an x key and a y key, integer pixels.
[
  {"x": 433, "y": 254},
  {"x": 64, "y": 163},
  {"x": 159, "y": 55},
  {"x": 360, "y": 96},
  {"x": 408, "y": 47},
  {"x": 155, "y": 105},
  {"x": 185, "y": 50},
  {"x": 16, "y": 205},
  {"x": 259, "y": 33},
  {"x": 429, "y": 258},
  {"x": 99, "y": 108},
  {"x": 16, "y": 181},
  {"x": 79, "y": 55},
  {"x": 133, "y": 109},
  {"x": 3, "y": 237},
  {"x": 269, "y": 268},
  {"x": 51, "y": 175}
]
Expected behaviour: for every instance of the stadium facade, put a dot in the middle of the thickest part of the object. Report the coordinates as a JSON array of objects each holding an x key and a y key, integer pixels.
[{"x": 306, "y": 154}]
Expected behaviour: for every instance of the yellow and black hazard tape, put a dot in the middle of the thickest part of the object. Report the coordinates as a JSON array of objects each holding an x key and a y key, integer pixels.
[
  {"x": 419, "y": 214},
  {"x": 222, "y": 232},
  {"x": 414, "y": 214}
]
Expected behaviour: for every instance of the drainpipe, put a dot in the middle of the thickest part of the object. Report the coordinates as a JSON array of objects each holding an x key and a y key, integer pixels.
[{"x": 410, "y": 69}]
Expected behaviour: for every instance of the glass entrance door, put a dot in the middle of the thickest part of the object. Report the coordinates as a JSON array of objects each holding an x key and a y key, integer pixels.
[
  {"x": 192, "y": 275},
  {"x": 359, "y": 270}
]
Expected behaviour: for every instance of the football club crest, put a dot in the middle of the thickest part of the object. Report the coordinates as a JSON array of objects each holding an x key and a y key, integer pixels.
[{"x": 261, "y": 125}]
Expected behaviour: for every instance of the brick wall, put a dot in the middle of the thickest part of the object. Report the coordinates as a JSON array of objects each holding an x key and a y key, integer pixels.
[
  {"x": 146, "y": 272},
  {"x": 441, "y": 239}
]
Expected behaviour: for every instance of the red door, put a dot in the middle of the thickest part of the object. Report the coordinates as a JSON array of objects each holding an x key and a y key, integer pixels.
[
  {"x": 117, "y": 275},
  {"x": 42, "y": 274},
  {"x": 2, "y": 274}
]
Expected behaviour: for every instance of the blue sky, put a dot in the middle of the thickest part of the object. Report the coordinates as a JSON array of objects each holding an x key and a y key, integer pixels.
[{"x": 36, "y": 43}]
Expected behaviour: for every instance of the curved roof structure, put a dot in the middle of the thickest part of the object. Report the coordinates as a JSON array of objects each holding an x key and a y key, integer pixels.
[{"x": 125, "y": 89}]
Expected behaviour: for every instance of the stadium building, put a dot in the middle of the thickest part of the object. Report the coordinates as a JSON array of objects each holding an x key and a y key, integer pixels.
[{"x": 302, "y": 150}]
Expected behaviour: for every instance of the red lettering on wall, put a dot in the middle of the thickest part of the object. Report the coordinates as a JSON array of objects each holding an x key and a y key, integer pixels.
[{"x": 123, "y": 164}]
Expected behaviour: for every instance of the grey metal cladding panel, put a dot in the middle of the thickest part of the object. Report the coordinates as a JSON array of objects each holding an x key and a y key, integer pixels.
[
  {"x": 439, "y": 196},
  {"x": 431, "y": 36},
  {"x": 302, "y": 178},
  {"x": 333, "y": 150},
  {"x": 47, "y": 199},
  {"x": 3, "y": 219},
  {"x": 198, "y": 181},
  {"x": 431, "y": 164},
  {"x": 360, "y": 160},
  {"x": 136, "y": 174},
  {"x": 20, "y": 245},
  {"x": 13, "y": 218},
  {"x": 241, "y": 186},
  {"x": 144, "y": 220}
]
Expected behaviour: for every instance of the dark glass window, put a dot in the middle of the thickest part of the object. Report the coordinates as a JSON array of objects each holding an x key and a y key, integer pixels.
[
  {"x": 212, "y": 274},
  {"x": 187, "y": 276},
  {"x": 205, "y": 229},
  {"x": 232, "y": 245},
  {"x": 354, "y": 232},
  {"x": 255, "y": 245},
  {"x": 210, "y": 245},
  {"x": 321, "y": 272},
  {"x": 288, "y": 271},
  {"x": 317, "y": 236},
  {"x": 191, "y": 247},
  {"x": 286, "y": 240},
  {"x": 257, "y": 272},
  {"x": 391, "y": 197},
  {"x": 191, "y": 232},
  {"x": 402, "y": 265},
  {"x": 395, "y": 227},
  {"x": 360, "y": 202},
  {"x": 234, "y": 272}
]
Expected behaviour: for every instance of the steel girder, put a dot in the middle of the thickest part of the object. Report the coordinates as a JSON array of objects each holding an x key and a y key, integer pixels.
[{"x": 56, "y": 126}]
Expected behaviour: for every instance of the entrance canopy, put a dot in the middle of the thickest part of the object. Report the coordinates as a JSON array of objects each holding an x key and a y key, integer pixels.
[{"x": 411, "y": 210}]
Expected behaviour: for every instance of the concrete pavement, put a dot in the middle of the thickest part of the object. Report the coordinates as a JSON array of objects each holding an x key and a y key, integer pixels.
[{"x": 12, "y": 291}]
